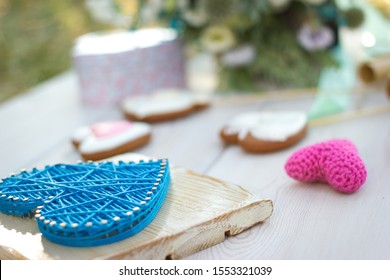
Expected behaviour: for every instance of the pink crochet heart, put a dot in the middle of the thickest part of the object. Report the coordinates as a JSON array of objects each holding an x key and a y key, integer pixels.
[{"x": 335, "y": 162}]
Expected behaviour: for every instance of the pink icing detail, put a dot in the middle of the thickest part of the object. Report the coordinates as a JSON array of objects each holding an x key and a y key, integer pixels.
[
  {"x": 107, "y": 129},
  {"x": 335, "y": 162}
]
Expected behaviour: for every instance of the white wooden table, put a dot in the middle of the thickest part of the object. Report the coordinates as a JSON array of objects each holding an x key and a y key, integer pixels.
[{"x": 309, "y": 221}]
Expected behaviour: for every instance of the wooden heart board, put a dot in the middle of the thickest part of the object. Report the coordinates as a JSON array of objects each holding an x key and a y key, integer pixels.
[{"x": 198, "y": 212}]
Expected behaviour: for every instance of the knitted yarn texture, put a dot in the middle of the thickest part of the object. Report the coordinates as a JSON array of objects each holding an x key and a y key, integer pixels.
[{"x": 335, "y": 162}]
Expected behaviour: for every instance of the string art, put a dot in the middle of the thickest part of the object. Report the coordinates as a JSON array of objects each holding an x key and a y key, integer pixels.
[{"x": 88, "y": 204}]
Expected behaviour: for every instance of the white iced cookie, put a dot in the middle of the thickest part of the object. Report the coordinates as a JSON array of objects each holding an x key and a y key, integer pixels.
[
  {"x": 265, "y": 131},
  {"x": 107, "y": 139},
  {"x": 80, "y": 135},
  {"x": 163, "y": 105},
  {"x": 240, "y": 124}
]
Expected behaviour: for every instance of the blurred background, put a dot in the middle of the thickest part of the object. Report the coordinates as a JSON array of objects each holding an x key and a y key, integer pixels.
[
  {"x": 36, "y": 38},
  {"x": 256, "y": 45}
]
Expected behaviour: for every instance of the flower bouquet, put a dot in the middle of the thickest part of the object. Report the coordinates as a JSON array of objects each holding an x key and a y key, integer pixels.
[{"x": 256, "y": 44}]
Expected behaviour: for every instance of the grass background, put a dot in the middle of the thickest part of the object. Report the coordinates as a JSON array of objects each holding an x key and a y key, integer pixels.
[{"x": 36, "y": 38}]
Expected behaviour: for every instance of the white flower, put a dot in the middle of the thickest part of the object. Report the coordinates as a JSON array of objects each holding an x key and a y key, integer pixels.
[
  {"x": 195, "y": 18},
  {"x": 183, "y": 4},
  {"x": 217, "y": 39},
  {"x": 239, "y": 57},
  {"x": 279, "y": 4},
  {"x": 105, "y": 11},
  {"x": 150, "y": 11},
  {"x": 313, "y": 38}
]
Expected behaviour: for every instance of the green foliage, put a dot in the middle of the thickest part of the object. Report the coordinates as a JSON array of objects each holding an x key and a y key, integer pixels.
[
  {"x": 280, "y": 60},
  {"x": 36, "y": 38},
  {"x": 354, "y": 17}
]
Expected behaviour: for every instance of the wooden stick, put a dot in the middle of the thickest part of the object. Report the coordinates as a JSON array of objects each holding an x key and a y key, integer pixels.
[
  {"x": 350, "y": 115},
  {"x": 306, "y": 92},
  {"x": 279, "y": 95},
  {"x": 375, "y": 69},
  {"x": 261, "y": 97}
]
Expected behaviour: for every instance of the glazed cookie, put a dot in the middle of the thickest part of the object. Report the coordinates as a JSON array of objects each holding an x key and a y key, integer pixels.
[
  {"x": 240, "y": 124},
  {"x": 106, "y": 139},
  {"x": 81, "y": 134},
  {"x": 260, "y": 132},
  {"x": 163, "y": 106}
]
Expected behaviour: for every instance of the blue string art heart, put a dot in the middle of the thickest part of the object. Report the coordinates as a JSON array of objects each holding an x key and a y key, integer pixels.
[{"x": 88, "y": 204}]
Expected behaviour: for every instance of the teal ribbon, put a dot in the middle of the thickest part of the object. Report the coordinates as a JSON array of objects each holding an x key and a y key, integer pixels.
[{"x": 334, "y": 87}]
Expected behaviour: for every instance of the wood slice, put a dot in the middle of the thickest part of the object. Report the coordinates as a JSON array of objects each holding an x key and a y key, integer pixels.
[{"x": 199, "y": 212}]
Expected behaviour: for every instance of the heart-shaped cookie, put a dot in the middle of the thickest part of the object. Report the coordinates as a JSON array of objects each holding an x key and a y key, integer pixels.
[
  {"x": 107, "y": 139},
  {"x": 335, "y": 162},
  {"x": 88, "y": 204},
  {"x": 261, "y": 132},
  {"x": 163, "y": 105}
]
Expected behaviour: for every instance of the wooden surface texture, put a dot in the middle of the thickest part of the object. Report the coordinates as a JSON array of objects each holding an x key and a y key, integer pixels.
[
  {"x": 198, "y": 212},
  {"x": 310, "y": 221}
]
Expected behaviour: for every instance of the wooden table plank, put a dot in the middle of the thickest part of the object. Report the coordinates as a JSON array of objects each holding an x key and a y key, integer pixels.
[
  {"x": 309, "y": 222},
  {"x": 34, "y": 123}
]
